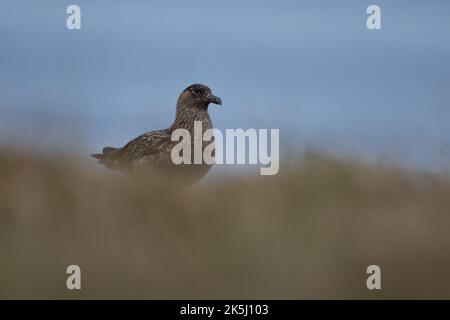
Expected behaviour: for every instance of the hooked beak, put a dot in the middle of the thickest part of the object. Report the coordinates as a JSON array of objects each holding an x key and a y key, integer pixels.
[{"x": 214, "y": 99}]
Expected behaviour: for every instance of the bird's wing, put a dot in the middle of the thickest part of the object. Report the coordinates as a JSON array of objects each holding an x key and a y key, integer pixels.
[
  {"x": 151, "y": 148},
  {"x": 146, "y": 144}
]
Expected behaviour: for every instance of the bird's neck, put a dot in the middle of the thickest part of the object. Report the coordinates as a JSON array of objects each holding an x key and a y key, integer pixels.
[{"x": 187, "y": 115}]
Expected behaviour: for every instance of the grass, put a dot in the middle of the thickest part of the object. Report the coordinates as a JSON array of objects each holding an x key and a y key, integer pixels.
[{"x": 309, "y": 232}]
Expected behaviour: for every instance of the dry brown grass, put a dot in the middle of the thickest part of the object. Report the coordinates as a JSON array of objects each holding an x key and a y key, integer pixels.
[{"x": 309, "y": 232}]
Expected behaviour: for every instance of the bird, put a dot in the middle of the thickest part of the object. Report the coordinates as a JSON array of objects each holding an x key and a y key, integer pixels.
[{"x": 150, "y": 153}]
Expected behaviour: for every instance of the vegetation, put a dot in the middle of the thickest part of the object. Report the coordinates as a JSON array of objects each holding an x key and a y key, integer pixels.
[{"x": 308, "y": 232}]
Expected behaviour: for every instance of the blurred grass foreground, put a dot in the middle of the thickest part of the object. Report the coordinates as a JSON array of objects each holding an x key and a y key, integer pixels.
[{"x": 309, "y": 232}]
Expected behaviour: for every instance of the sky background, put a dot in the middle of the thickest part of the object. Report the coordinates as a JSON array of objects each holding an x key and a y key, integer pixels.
[{"x": 310, "y": 68}]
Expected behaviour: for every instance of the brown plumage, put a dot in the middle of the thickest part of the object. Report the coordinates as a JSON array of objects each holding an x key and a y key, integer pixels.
[{"x": 150, "y": 153}]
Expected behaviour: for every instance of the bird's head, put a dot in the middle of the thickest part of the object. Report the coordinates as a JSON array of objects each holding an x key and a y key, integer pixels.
[{"x": 198, "y": 96}]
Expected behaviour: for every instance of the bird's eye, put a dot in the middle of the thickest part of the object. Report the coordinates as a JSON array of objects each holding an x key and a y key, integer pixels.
[{"x": 196, "y": 92}]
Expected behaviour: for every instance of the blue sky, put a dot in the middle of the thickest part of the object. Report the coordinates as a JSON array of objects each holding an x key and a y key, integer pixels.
[{"x": 309, "y": 68}]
